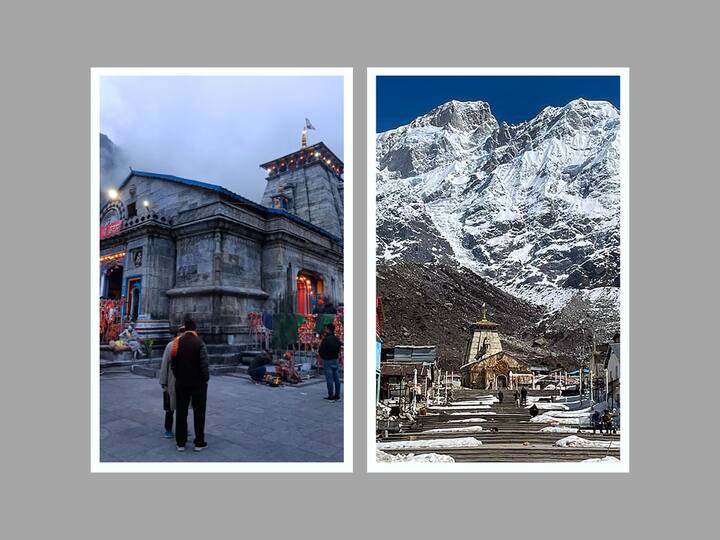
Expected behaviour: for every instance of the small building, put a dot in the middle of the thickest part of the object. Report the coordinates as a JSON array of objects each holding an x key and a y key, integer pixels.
[
  {"x": 486, "y": 365},
  {"x": 399, "y": 370}
]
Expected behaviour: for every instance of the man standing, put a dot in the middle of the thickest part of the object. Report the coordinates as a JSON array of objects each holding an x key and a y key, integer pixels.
[
  {"x": 167, "y": 382},
  {"x": 523, "y": 396},
  {"x": 329, "y": 351},
  {"x": 189, "y": 364}
]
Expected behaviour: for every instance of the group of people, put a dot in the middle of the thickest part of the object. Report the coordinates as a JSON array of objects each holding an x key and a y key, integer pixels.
[
  {"x": 184, "y": 376},
  {"x": 520, "y": 397},
  {"x": 603, "y": 422}
]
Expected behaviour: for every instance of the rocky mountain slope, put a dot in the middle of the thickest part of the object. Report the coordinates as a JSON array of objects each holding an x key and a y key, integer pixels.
[{"x": 534, "y": 208}]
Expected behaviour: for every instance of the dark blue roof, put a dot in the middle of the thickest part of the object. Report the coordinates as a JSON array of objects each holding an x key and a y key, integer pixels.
[{"x": 230, "y": 195}]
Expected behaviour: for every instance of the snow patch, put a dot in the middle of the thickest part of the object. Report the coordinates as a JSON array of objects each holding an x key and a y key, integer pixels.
[{"x": 461, "y": 442}]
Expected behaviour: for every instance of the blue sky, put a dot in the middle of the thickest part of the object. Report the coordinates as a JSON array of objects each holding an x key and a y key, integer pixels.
[
  {"x": 218, "y": 129},
  {"x": 512, "y": 99}
]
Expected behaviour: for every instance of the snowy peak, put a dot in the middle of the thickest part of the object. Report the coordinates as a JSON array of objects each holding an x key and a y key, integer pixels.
[
  {"x": 459, "y": 115},
  {"x": 533, "y": 207},
  {"x": 445, "y": 134}
]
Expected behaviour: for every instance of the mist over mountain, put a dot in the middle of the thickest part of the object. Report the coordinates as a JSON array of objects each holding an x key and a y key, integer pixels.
[{"x": 114, "y": 164}]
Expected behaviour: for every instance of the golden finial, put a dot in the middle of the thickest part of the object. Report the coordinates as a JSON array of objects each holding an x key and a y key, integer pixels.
[{"x": 484, "y": 312}]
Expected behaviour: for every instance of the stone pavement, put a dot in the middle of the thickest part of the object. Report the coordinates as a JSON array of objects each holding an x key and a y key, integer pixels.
[{"x": 244, "y": 422}]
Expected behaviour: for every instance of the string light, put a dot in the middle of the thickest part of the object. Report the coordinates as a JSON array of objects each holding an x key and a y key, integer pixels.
[{"x": 112, "y": 257}]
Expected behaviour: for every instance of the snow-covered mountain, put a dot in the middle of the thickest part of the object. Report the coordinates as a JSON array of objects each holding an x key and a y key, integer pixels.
[{"x": 534, "y": 207}]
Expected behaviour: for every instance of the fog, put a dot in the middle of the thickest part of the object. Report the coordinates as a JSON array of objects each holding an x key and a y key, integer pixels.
[{"x": 215, "y": 129}]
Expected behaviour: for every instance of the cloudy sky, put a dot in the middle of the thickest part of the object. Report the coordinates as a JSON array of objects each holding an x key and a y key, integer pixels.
[{"x": 217, "y": 129}]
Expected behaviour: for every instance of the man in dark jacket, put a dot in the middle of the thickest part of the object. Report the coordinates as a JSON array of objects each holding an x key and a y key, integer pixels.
[
  {"x": 329, "y": 351},
  {"x": 523, "y": 396},
  {"x": 189, "y": 364}
]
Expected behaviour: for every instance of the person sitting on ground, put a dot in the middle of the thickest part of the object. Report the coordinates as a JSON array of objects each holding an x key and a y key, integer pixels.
[
  {"x": 534, "y": 410},
  {"x": 288, "y": 371},
  {"x": 257, "y": 367},
  {"x": 131, "y": 340}
]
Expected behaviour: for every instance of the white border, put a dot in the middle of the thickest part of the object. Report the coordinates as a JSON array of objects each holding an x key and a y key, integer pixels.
[
  {"x": 624, "y": 464},
  {"x": 95, "y": 465}
]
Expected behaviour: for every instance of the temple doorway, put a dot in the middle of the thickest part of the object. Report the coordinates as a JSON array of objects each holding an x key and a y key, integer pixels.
[
  {"x": 310, "y": 289},
  {"x": 501, "y": 381},
  {"x": 133, "y": 299},
  {"x": 114, "y": 281}
]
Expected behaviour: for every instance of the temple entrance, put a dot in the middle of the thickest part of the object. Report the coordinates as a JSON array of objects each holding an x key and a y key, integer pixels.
[
  {"x": 133, "y": 299},
  {"x": 113, "y": 282},
  {"x": 501, "y": 381},
  {"x": 309, "y": 291}
]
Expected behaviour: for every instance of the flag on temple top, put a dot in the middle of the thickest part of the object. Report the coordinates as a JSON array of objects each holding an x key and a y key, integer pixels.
[{"x": 308, "y": 124}]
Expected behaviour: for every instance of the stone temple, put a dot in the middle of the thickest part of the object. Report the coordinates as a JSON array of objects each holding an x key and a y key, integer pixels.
[
  {"x": 486, "y": 365},
  {"x": 171, "y": 246}
]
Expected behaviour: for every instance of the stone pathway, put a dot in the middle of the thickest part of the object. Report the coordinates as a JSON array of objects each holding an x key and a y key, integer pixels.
[
  {"x": 507, "y": 434},
  {"x": 244, "y": 422}
]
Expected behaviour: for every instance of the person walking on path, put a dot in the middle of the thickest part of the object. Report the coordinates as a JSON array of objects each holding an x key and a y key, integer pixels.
[
  {"x": 189, "y": 364},
  {"x": 329, "y": 352},
  {"x": 516, "y": 397},
  {"x": 500, "y": 396},
  {"x": 608, "y": 422},
  {"x": 523, "y": 396},
  {"x": 167, "y": 382}
]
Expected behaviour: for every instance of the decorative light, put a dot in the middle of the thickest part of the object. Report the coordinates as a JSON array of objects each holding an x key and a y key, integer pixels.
[
  {"x": 146, "y": 204},
  {"x": 113, "y": 194},
  {"x": 112, "y": 257},
  {"x": 317, "y": 154}
]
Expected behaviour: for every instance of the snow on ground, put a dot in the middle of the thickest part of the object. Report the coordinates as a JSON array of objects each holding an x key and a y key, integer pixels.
[
  {"x": 580, "y": 413},
  {"x": 547, "y": 419},
  {"x": 464, "y": 420},
  {"x": 461, "y": 442},
  {"x": 383, "y": 457},
  {"x": 550, "y": 406},
  {"x": 466, "y": 429},
  {"x": 606, "y": 459},
  {"x": 559, "y": 429},
  {"x": 457, "y": 407},
  {"x": 573, "y": 441}
]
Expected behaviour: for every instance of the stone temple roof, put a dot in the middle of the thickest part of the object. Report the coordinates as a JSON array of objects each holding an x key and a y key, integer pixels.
[
  {"x": 230, "y": 195},
  {"x": 316, "y": 153}
]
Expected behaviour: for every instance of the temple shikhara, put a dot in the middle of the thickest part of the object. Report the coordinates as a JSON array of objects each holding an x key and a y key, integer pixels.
[
  {"x": 171, "y": 246},
  {"x": 486, "y": 365}
]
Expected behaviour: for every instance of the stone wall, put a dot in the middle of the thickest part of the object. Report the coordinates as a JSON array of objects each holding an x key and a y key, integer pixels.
[{"x": 314, "y": 195}]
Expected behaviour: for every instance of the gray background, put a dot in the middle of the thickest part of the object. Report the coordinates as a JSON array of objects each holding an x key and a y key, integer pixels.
[{"x": 47, "y": 51}]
